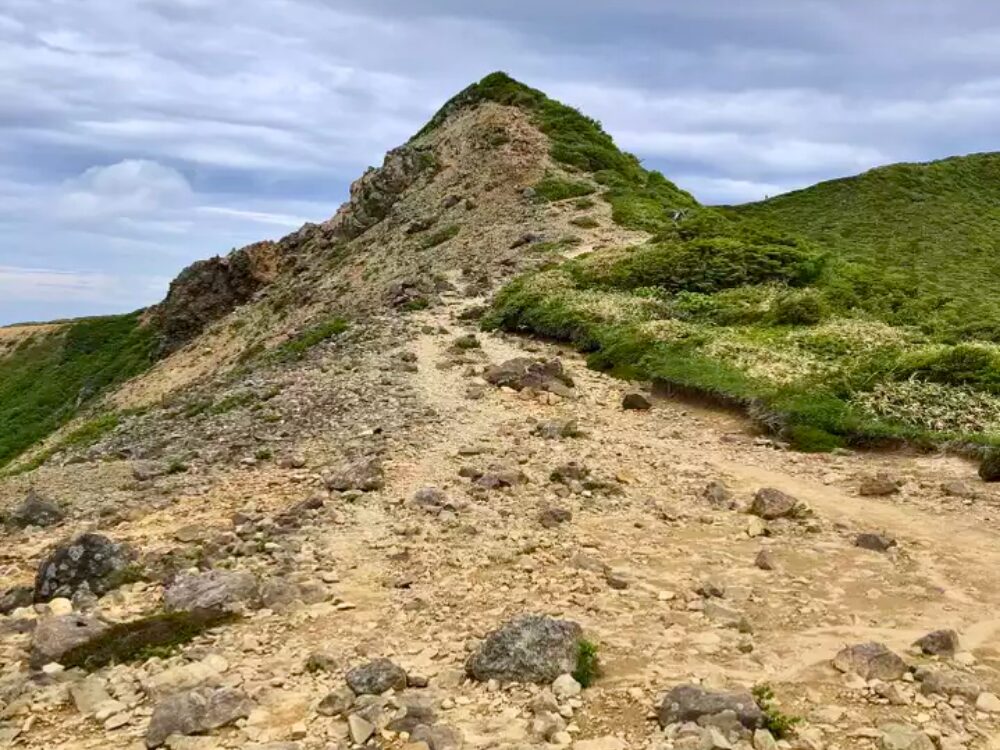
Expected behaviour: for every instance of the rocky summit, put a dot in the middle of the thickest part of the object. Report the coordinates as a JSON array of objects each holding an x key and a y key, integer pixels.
[{"x": 447, "y": 472}]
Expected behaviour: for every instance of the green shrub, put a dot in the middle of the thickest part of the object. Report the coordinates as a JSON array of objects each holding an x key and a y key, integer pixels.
[
  {"x": 780, "y": 725},
  {"x": 440, "y": 236},
  {"x": 582, "y": 204},
  {"x": 803, "y": 307},
  {"x": 588, "y": 666},
  {"x": 553, "y": 188},
  {"x": 296, "y": 348}
]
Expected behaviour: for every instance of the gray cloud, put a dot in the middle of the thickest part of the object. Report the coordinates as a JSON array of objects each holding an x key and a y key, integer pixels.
[{"x": 138, "y": 135}]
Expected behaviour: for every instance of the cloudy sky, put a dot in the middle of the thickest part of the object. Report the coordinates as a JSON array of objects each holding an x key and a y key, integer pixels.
[{"x": 139, "y": 135}]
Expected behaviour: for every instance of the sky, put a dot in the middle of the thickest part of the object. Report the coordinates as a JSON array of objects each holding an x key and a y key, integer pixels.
[{"x": 137, "y": 136}]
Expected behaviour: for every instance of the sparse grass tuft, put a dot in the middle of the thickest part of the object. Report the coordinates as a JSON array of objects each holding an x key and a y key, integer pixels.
[
  {"x": 554, "y": 188},
  {"x": 780, "y": 725},
  {"x": 440, "y": 236},
  {"x": 588, "y": 667},
  {"x": 297, "y": 347}
]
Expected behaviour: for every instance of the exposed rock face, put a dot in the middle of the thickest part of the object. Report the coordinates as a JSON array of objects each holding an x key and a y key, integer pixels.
[
  {"x": 531, "y": 648},
  {"x": 214, "y": 591},
  {"x": 375, "y": 677},
  {"x": 692, "y": 702},
  {"x": 194, "y": 711},
  {"x": 35, "y": 510},
  {"x": 208, "y": 289},
  {"x": 872, "y": 661},
  {"x": 377, "y": 190},
  {"x": 57, "y": 636},
  {"x": 90, "y": 560}
]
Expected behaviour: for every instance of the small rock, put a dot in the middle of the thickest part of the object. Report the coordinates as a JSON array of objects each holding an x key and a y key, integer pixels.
[
  {"x": 764, "y": 740},
  {"x": 553, "y": 516},
  {"x": 902, "y": 737},
  {"x": 878, "y": 485},
  {"x": 770, "y": 504},
  {"x": 635, "y": 401},
  {"x": 764, "y": 560},
  {"x": 874, "y": 542},
  {"x": 692, "y": 702},
  {"x": 938, "y": 643},
  {"x": 54, "y": 637},
  {"x": 336, "y": 703},
  {"x": 989, "y": 467},
  {"x": 872, "y": 661},
  {"x": 565, "y": 686},
  {"x": 364, "y": 475},
  {"x": 195, "y": 711},
  {"x": 949, "y": 683},
  {"x": 988, "y": 703},
  {"x": 376, "y": 677}
]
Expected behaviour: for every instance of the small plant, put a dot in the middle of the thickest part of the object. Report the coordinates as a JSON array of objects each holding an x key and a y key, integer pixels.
[
  {"x": 176, "y": 466},
  {"x": 263, "y": 454},
  {"x": 553, "y": 188},
  {"x": 233, "y": 401},
  {"x": 588, "y": 667},
  {"x": 296, "y": 348},
  {"x": 582, "y": 204},
  {"x": 585, "y": 222},
  {"x": 777, "y": 723},
  {"x": 440, "y": 236}
]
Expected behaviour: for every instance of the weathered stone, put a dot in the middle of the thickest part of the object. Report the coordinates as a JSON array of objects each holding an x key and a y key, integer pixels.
[
  {"x": 34, "y": 510},
  {"x": 54, "y": 637},
  {"x": 872, "y": 661},
  {"x": 208, "y": 671},
  {"x": 557, "y": 428},
  {"x": 949, "y": 682},
  {"x": 524, "y": 372},
  {"x": 553, "y": 516},
  {"x": 600, "y": 743},
  {"x": 988, "y": 703},
  {"x": 89, "y": 694},
  {"x": 989, "y": 467},
  {"x": 365, "y": 475},
  {"x": 360, "y": 729},
  {"x": 336, "y": 703},
  {"x": 195, "y": 711},
  {"x": 437, "y": 737},
  {"x": 878, "y": 485},
  {"x": 565, "y": 686},
  {"x": 376, "y": 677},
  {"x": 902, "y": 737},
  {"x": 635, "y": 401},
  {"x": 770, "y": 504},
  {"x": 764, "y": 560},
  {"x": 938, "y": 643},
  {"x": 214, "y": 590},
  {"x": 89, "y": 560},
  {"x": 16, "y": 597},
  {"x": 717, "y": 493},
  {"x": 874, "y": 542},
  {"x": 694, "y": 703},
  {"x": 530, "y": 648},
  {"x": 498, "y": 477}
]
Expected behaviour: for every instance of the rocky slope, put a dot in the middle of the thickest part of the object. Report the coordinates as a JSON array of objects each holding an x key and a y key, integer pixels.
[{"x": 343, "y": 516}]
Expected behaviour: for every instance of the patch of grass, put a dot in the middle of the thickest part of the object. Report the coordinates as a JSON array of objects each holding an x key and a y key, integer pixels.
[
  {"x": 780, "y": 725},
  {"x": 176, "y": 466},
  {"x": 159, "y": 635},
  {"x": 297, "y": 347},
  {"x": 46, "y": 382},
  {"x": 588, "y": 667},
  {"x": 263, "y": 454},
  {"x": 440, "y": 236},
  {"x": 582, "y": 204},
  {"x": 554, "y": 188},
  {"x": 232, "y": 402}
]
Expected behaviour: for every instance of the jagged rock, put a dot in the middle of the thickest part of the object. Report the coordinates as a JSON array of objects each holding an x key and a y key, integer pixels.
[
  {"x": 16, "y": 597},
  {"x": 530, "y": 648},
  {"x": 195, "y": 711},
  {"x": 552, "y": 516},
  {"x": 183, "y": 677},
  {"x": 717, "y": 493},
  {"x": 498, "y": 477},
  {"x": 34, "y": 510},
  {"x": 365, "y": 475},
  {"x": 557, "y": 428},
  {"x": 430, "y": 498},
  {"x": 895, "y": 736},
  {"x": 565, "y": 686},
  {"x": 416, "y": 711},
  {"x": 524, "y": 372},
  {"x": 360, "y": 729},
  {"x": 764, "y": 740},
  {"x": 90, "y": 694},
  {"x": 695, "y": 703},
  {"x": 208, "y": 289},
  {"x": 635, "y": 401},
  {"x": 872, "y": 661},
  {"x": 938, "y": 643},
  {"x": 437, "y": 737},
  {"x": 878, "y": 485},
  {"x": 874, "y": 542},
  {"x": 55, "y": 637},
  {"x": 989, "y": 467},
  {"x": 337, "y": 702},
  {"x": 375, "y": 677},
  {"x": 215, "y": 591},
  {"x": 89, "y": 560},
  {"x": 949, "y": 682},
  {"x": 770, "y": 504}
]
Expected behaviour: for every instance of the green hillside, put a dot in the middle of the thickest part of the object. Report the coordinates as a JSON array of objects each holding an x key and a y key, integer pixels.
[
  {"x": 50, "y": 377},
  {"x": 861, "y": 311}
]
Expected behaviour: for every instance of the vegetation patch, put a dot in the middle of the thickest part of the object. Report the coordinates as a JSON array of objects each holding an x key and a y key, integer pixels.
[
  {"x": 158, "y": 635},
  {"x": 588, "y": 666},
  {"x": 297, "y": 347},
  {"x": 49, "y": 380},
  {"x": 440, "y": 236},
  {"x": 585, "y": 222},
  {"x": 780, "y": 725},
  {"x": 555, "y": 188}
]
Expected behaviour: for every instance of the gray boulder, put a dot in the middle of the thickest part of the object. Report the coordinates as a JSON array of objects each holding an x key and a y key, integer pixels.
[
  {"x": 55, "y": 637},
  {"x": 874, "y": 542},
  {"x": 949, "y": 682},
  {"x": 195, "y": 711},
  {"x": 872, "y": 661},
  {"x": 214, "y": 590},
  {"x": 365, "y": 474},
  {"x": 894, "y": 736},
  {"x": 636, "y": 401},
  {"x": 554, "y": 429},
  {"x": 770, "y": 503},
  {"x": 524, "y": 372},
  {"x": 694, "y": 703},
  {"x": 89, "y": 560},
  {"x": 35, "y": 510},
  {"x": 938, "y": 643},
  {"x": 531, "y": 648},
  {"x": 375, "y": 677}
]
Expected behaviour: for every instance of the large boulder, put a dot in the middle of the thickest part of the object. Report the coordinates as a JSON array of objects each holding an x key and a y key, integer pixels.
[
  {"x": 232, "y": 591},
  {"x": 90, "y": 560},
  {"x": 195, "y": 711},
  {"x": 949, "y": 682},
  {"x": 770, "y": 504},
  {"x": 694, "y": 703},
  {"x": 34, "y": 510},
  {"x": 523, "y": 372},
  {"x": 376, "y": 677},
  {"x": 531, "y": 648},
  {"x": 55, "y": 637},
  {"x": 938, "y": 643},
  {"x": 872, "y": 661}
]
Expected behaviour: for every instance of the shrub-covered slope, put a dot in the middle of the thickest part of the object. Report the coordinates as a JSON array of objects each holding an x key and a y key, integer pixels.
[
  {"x": 50, "y": 376},
  {"x": 854, "y": 312}
]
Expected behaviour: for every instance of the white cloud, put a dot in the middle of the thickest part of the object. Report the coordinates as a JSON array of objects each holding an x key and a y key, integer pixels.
[
  {"x": 131, "y": 188},
  {"x": 48, "y": 284}
]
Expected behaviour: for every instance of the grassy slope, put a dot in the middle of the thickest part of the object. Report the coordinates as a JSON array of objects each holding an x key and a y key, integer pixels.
[
  {"x": 843, "y": 315},
  {"x": 50, "y": 377}
]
